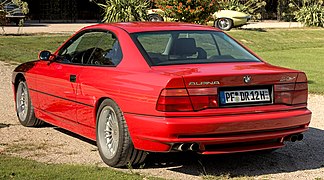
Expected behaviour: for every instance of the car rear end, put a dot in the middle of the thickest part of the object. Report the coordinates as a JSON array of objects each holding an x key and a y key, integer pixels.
[{"x": 223, "y": 100}]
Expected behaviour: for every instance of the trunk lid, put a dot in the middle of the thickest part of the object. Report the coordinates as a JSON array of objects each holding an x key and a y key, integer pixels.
[{"x": 229, "y": 74}]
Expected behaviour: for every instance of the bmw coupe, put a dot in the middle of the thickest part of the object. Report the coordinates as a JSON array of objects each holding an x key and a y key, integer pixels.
[{"x": 144, "y": 87}]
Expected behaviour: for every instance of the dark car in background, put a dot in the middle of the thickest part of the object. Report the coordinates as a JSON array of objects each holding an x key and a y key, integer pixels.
[{"x": 13, "y": 12}]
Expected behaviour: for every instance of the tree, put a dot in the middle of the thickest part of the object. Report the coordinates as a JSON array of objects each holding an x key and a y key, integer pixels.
[
  {"x": 124, "y": 10},
  {"x": 192, "y": 11}
]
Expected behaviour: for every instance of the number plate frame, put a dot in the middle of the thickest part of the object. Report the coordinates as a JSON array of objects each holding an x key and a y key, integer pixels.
[{"x": 222, "y": 101}]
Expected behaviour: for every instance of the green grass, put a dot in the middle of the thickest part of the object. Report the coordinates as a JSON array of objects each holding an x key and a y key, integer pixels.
[
  {"x": 18, "y": 168},
  {"x": 26, "y": 48},
  {"x": 301, "y": 49},
  {"x": 294, "y": 48}
]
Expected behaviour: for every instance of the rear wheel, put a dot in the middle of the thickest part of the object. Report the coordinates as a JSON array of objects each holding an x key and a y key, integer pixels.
[
  {"x": 113, "y": 140},
  {"x": 24, "y": 107},
  {"x": 224, "y": 24}
]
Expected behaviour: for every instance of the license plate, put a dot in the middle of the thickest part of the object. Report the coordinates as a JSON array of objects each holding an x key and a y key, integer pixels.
[{"x": 245, "y": 96}]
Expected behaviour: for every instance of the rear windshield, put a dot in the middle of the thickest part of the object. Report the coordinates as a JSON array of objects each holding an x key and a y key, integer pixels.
[{"x": 190, "y": 47}]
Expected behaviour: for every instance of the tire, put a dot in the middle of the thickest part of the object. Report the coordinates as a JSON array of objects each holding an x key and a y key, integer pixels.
[
  {"x": 24, "y": 107},
  {"x": 224, "y": 24},
  {"x": 115, "y": 146},
  {"x": 155, "y": 18}
]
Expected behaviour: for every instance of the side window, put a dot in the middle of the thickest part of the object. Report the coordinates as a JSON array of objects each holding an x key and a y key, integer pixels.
[
  {"x": 108, "y": 51},
  {"x": 92, "y": 48}
]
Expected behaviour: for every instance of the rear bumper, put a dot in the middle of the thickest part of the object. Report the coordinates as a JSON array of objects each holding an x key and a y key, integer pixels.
[{"x": 217, "y": 134}]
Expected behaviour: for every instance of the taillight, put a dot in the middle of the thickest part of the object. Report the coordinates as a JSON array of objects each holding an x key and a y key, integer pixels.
[
  {"x": 173, "y": 100},
  {"x": 293, "y": 93},
  {"x": 203, "y": 98}
]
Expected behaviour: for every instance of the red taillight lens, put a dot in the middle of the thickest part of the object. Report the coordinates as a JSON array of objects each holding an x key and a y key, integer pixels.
[
  {"x": 203, "y": 102},
  {"x": 284, "y": 87},
  {"x": 291, "y": 93},
  {"x": 175, "y": 100},
  {"x": 169, "y": 104},
  {"x": 284, "y": 97},
  {"x": 203, "y": 98}
]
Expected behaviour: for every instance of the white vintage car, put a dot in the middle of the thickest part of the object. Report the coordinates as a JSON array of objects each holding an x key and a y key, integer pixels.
[
  {"x": 223, "y": 19},
  {"x": 227, "y": 19}
]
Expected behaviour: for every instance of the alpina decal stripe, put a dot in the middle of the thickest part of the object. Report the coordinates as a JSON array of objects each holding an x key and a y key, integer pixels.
[{"x": 204, "y": 83}]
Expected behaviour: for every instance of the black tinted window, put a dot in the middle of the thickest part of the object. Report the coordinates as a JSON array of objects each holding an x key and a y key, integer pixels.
[
  {"x": 92, "y": 48},
  {"x": 190, "y": 47}
]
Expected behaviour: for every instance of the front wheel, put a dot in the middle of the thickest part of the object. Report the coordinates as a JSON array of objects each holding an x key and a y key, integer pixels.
[
  {"x": 113, "y": 140},
  {"x": 224, "y": 24},
  {"x": 24, "y": 107}
]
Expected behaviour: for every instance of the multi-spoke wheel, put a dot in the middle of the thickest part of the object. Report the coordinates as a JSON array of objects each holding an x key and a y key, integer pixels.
[
  {"x": 114, "y": 143},
  {"x": 224, "y": 24},
  {"x": 24, "y": 107}
]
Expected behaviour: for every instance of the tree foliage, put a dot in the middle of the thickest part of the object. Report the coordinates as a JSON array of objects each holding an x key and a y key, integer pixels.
[
  {"x": 124, "y": 10},
  {"x": 192, "y": 11}
]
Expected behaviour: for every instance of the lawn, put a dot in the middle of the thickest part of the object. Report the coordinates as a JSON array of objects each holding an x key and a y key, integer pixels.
[
  {"x": 294, "y": 48},
  {"x": 301, "y": 49},
  {"x": 18, "y": 168}
]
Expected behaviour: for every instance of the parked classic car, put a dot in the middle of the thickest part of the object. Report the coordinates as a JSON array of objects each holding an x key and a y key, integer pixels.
[
  {"x": 13, "y": 13},
  {"x": 144, "y": 87},
  {"x": 223, "y": 19},
  {"x": 227, "y": 19}
]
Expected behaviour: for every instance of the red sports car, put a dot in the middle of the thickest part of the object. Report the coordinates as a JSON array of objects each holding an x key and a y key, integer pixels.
[{"x": 146, "y": 87}]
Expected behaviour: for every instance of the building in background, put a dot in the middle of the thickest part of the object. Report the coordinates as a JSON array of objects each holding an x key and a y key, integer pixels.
[{"x": 63, "y": 11}]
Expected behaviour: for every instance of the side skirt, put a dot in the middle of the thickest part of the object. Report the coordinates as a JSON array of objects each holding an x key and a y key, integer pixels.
[{"x": 85, "y": 131}]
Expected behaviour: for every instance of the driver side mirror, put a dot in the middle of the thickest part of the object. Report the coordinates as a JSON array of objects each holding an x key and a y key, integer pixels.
[{"x": 44, "y": 55}]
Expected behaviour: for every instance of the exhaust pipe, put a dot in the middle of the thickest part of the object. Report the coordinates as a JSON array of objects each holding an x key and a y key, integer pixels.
[
  {"x": 292, "y": 138},
  {"x": 295, "y": 137},
  {"x": 186, "y": 147},
  {"x": 194, "y": 147},
  {"x": 183, "y": 147}
]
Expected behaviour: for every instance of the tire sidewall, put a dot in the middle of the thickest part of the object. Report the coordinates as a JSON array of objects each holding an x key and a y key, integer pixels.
[
  {"x": 30, "y": 112},
  {"x": 121, "y": 143}
]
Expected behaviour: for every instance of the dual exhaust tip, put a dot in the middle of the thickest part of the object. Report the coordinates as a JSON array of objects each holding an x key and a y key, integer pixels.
[
  {"x": 195, "y": 146},
  {"x": 186, "y": 147},
  {"x": 295, "y": 137}
]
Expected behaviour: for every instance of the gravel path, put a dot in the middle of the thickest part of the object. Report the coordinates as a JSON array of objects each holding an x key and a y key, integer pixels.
[{"x": 302, "y": 160}]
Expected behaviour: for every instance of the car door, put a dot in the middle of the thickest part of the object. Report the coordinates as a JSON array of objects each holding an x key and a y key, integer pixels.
[
  {"x": 58, "y": 82},
  {"x": 97, "y": 76}
]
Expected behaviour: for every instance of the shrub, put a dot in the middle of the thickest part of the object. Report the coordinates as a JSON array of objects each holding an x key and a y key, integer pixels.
[
  {"x": 311, "y": 15},
  {"x": 308, "y": 12},
  {"x": 124, "y": 10},
  {"x": 192, "y": 11}
]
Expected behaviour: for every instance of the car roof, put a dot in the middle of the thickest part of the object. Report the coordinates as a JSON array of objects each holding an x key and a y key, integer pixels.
[{"x": 136, "y": 27}]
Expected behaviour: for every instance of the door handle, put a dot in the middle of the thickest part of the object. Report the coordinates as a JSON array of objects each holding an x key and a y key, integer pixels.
[{"x": 73, "y": 78}]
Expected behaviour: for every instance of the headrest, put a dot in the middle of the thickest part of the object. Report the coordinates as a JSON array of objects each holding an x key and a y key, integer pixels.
[{"x": 184, "y": 46}]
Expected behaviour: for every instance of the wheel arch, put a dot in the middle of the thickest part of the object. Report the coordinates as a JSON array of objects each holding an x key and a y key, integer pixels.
[
  {"x": 98, "y": 103},
  {"x": 18, "y": 77}
]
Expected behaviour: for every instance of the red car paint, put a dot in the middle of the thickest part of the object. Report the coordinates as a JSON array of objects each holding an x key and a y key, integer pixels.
[{"x": 136, "y": 88}]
